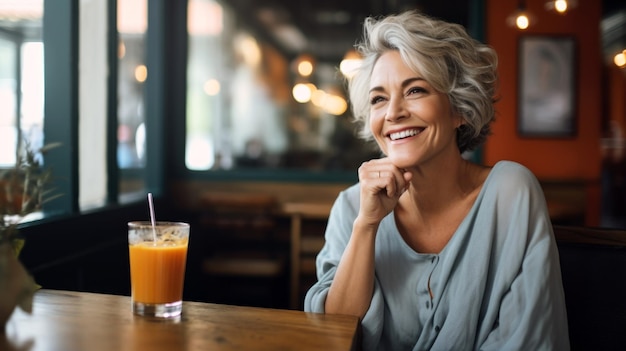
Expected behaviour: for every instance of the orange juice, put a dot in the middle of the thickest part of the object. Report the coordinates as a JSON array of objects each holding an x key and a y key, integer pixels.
[{"x": 157, "y": 272}]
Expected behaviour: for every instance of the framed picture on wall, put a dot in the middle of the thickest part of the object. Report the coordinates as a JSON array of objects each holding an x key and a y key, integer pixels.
[{"x": 547, "y": 86}]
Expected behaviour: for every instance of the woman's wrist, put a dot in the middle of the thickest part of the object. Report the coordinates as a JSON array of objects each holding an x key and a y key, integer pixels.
[{"x": 362, "y": 225}]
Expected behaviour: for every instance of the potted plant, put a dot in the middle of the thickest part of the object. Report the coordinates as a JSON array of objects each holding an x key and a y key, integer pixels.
[{"x": 22, "y": 192}]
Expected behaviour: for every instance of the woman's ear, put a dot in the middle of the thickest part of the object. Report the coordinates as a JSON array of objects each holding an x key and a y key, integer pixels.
[{"x": 460, "y": 121}]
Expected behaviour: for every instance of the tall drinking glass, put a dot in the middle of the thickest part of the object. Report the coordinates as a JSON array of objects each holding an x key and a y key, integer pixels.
[{"x": 158, "y": 256}]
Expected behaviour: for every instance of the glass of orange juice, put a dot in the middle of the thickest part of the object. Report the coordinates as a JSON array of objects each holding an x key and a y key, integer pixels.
[{"x": 158, "y": 256}]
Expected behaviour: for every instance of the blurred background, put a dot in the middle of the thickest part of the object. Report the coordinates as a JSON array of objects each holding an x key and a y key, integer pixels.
[{"x": 186, "y": 99}]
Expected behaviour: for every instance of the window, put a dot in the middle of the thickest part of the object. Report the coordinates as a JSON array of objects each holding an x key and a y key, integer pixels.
[
  {"x": 21, "y": 77},
  {"x": 206, "y": 80},
  {"x": 131, "y": 18},
  {"x": 132, "y": 74},
  {"x": 242, "y": 112},
  {"x": 92, "y": 114},
  {"x": 8, "y": 101}
]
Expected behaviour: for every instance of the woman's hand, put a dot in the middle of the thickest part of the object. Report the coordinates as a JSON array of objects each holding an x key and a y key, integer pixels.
[
  {"x": 352, "y": 288},
  {"x": 381, "y": 183}
]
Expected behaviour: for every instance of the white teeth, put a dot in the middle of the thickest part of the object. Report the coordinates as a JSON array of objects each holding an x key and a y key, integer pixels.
[{"x": 403, "y": 134}]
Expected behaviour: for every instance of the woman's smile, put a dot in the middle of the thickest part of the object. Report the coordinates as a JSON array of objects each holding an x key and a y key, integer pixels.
[{"x": 406, "y": 133}]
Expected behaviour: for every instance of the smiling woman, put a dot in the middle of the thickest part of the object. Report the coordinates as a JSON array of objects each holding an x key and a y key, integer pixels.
[{"x": 427, "y": 248}]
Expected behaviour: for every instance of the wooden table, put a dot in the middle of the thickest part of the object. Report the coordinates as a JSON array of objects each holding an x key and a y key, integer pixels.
[{"x": 72, "y": 321}]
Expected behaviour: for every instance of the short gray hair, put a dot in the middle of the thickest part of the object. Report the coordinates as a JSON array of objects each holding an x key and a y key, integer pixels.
[{"x": 448, "y": 58}]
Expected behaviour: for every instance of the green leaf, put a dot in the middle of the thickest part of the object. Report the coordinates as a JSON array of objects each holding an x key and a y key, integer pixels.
[{"x": 18, "y": 245}]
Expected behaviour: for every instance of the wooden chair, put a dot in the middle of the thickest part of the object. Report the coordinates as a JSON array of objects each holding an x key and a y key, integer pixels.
[
  {"x": 304, "y": 247},
  {"x": 244, "y": 257}
]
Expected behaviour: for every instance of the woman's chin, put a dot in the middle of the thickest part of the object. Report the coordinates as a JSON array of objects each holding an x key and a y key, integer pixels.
[{"x": 402, "y": 162}]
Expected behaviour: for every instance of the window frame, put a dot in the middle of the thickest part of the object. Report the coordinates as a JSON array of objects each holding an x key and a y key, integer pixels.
[{"x": 60, "y": 38}]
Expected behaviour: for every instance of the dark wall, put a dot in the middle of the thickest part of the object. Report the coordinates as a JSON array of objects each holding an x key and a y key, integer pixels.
[
  {"x": 595, "y": 287},
  {"x": 87, "y": 252}
]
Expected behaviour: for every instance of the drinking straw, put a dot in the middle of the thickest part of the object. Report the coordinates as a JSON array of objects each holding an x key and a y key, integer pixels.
[{"x": 151, "y": 205}]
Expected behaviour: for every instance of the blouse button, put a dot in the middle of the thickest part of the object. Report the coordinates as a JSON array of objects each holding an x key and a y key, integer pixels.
[
  {"x": 437, "y": 328},
  {"x": 427, "y": 304}
]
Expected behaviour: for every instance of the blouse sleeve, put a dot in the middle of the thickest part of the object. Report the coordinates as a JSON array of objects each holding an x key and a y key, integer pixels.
[
  {"x": 531, "y": 314},
  {"x": 338, "y": 232}
]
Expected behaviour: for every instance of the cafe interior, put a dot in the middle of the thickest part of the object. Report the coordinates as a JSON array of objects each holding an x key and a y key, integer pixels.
[{"x": 234, "y": 115}]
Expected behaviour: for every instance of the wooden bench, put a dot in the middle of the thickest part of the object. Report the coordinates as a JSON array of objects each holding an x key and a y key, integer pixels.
[{"x": 593, "y": 266}]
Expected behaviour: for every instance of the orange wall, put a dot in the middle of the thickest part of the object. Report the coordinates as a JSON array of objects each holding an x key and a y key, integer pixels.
[
  {"x": 576, "y": 158},
  {"x": 617, "y": 88}
]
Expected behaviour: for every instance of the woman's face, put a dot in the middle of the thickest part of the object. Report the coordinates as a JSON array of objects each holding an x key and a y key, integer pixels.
[{"x": 411, "y": 121}]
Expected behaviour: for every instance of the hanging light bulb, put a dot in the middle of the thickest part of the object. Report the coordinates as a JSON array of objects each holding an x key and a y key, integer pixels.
[
  {"x": 305, "y": 68},
  {"x": 620, "y": 59},
  {"x": 350, "y": 63},
  {"x": 522, "y": 21},
  {"x": 561, "y": 6},
  {"x": 304, "y": 65},
  {"x": 521, "y": 18}
]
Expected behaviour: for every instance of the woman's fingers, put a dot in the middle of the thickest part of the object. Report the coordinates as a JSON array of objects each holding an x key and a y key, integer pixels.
[
  {"x": 391, "y": 183},
  {"x": 381, "y": 186},
  {"x": 375, "y": 174},
  {"x": 380, "y": 174}
]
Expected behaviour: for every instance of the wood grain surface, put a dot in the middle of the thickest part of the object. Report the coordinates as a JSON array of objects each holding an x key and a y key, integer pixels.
[{"x": 64, "y": 320}]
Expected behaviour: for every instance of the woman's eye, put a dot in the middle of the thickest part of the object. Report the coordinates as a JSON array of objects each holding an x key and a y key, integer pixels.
[
  {"x": 416, "y": 90},
  {"x": 375, "y": 100}
]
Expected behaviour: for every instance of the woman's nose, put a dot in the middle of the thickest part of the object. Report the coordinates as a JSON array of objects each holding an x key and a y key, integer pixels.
[{"x": 396, "y": 110}]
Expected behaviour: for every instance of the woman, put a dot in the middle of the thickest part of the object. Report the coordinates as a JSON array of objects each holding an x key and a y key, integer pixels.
[{"x": 430, "y": 250}]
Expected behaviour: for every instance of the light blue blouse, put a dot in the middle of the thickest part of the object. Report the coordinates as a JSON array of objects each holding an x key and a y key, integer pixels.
[{"x": 496, "y": 285}]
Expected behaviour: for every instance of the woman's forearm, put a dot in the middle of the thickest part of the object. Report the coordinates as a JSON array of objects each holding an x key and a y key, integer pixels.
[{"x": 352, "y": 288}]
